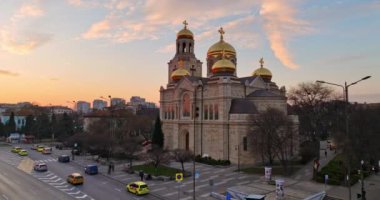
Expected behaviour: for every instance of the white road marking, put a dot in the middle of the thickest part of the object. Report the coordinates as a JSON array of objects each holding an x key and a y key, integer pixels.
[
  {"x": 117, "y": 189},
  {"x": 68, "y": 189},
  {"x": 5, "y": 196},
  {"x": 243, "y": 182},
  {"x": 57, "y": 184},
  {"x": 158, "y": 189},
  {"x": 72, "y": 193},
  {"x": 206, "y": 194},
  {"x": 82, "y": 197},
  {"x": 170, "y": 194}
]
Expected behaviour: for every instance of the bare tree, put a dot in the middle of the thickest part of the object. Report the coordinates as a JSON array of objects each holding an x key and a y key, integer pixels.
[
  {"x": 307, "y": 100},
  {"x": 131, "y": 146},
  {"x": 182, "y": 155},
  {"x": 274, "y": 135},
  {"x": 158, "y": 156}
]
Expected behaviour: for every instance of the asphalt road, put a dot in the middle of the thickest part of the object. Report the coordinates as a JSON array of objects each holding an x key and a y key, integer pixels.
[
  {"x": 94, "y": 187},
  {"x": 16, "y": 184}
]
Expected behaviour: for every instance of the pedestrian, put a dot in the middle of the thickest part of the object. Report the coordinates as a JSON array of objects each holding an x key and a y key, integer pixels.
[
  {"x": 325, "y": 153},
  {"x": 141, "y": 174},
  {"x": 112, "y": 166},
  {"x": 109, "y": 168}
]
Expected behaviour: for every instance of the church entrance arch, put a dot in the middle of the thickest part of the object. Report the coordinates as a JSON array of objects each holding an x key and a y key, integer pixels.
[{"x": 184, "y": 140}]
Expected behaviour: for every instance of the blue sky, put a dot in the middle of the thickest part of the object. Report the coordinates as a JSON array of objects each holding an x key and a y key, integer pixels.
[{"x": 57, "y": 51}]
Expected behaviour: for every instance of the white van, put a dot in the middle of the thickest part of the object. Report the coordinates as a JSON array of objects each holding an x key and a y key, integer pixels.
[{"x": 47, "y": 150}]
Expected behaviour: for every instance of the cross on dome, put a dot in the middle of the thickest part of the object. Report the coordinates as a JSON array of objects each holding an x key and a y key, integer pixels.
[
  {"x": 261, "y": 62},
  {"x": 185, "y": 23},
  {"x": 221, "y": 31}
]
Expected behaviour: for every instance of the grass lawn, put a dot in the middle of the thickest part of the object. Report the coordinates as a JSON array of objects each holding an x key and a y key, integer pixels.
[
  {"x": 160, "y": 171},
  {"x": 276, "y": 170}
]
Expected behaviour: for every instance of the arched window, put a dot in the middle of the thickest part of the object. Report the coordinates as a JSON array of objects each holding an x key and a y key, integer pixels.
[
  {"x": 205, "y": 112},
  {"x": 190, "y": 49},
  {"x": 216, "y": 110},
  {"x": 186, "y": 105},
  {"x": 183, "y": 47},
  {"x": 211, "y": 112}
]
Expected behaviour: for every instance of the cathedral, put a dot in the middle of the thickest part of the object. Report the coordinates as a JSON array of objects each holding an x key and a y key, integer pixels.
[{"x": 210, "y": 115}]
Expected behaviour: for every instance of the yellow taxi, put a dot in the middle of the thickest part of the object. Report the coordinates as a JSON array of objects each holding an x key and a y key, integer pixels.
[
  {"x": 75, "y": 179},
  {"x": 16, "y": 149},
  {"x": 23, "y": 152},
  {"x": 40, "y": 148},
  {"x": 138, "y": 188}
]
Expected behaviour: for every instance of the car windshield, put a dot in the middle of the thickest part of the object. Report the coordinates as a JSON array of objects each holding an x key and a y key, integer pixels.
[{"x": 143, "y": 186}]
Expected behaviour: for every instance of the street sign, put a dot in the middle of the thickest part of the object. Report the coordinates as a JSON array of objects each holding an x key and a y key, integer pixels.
[
  {"x": 197, "y": 174},
  {"x": 178, "y": 177}
]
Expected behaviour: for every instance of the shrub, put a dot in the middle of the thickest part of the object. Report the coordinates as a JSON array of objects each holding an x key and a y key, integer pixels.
[{"x": 210, "y": 161}]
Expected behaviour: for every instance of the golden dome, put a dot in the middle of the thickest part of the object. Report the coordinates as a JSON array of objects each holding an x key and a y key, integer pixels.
[
  {"x": 223, "y": 65},
  {"x": 221, "y": 45},
  {"x": 185, "y": 33},
  {"x": 262, "y": 71},
  {"x": 180, "y": 72}
]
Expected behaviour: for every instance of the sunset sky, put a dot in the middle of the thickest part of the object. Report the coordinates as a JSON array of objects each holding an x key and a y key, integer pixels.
[{"x": 57, "y": 51}]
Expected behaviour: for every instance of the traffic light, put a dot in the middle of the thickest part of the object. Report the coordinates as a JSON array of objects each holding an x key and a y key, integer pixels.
[{"x": 196, "y": 112}]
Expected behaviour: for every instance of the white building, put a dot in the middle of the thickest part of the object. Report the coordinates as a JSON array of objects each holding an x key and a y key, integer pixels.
[
  {"x": 117, "y": 101},
  {"x": 83, "y": 107},
  {"x": 99, "y": 104}
]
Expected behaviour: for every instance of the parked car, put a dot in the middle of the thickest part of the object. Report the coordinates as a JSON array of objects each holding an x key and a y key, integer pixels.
[
  {"x": 63, "y": 158},
  {"x": 23, "y": 152},
  {"x": 138, "y": 188},
  {"x": 91, "y": 169},
  {"x": 75, "y": 179},
  {"x": 40, "y": 167},
  {"x": 34, "y": 147},
  {"x": 16, "y": 149},
  {"x": 47, "y": 150}
]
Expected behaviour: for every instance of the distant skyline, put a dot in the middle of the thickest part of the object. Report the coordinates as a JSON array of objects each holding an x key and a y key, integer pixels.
[{"x": 54, "y": 52}]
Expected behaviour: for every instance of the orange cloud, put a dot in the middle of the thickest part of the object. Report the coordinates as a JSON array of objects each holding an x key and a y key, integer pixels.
[
  {"x": 98, "y": 30},
  {"x": 22, "y": 43},
  {"x": 280, "y": 24},
  {"x": 8, "y": 73},
  {"x": 28, "y": 11}
]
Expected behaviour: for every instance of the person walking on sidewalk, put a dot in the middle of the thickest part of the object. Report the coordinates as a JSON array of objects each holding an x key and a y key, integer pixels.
[
  {"x": 325, "y": 153},
  {"x": 109, "y": 168},
  {"x": 112, "y": 167},
  {"x": 141, "y": 174}
]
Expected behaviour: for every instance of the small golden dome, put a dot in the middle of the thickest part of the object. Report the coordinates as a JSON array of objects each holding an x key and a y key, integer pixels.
[
  {"x": 180, "y": 72},
  {"x": 223, "y": 65},
  {"x": 262, "y": 71},
  {"x": 221, "y": 45},
  {"x": 185, "y": 33}
]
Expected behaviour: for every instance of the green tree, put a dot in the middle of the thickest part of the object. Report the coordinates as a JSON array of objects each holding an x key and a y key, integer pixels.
[
  {"x": 29, "y": 125},
  {"x": 11, "y": 124},
  {"x": 158, "y": 135},
  {"x": 2, "y": 129}
]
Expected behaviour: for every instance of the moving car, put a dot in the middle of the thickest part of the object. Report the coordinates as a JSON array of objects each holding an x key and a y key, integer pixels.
[
  {"x": 40, "y": 148},
  {"x": 75, "y": 179},
  {"x": 16, "y": 149},
  {"x": 47, "y": 150},
  {"x": 64, "y": 158},
  {"x": 40, "y": 167},
  {"x": 34, "y": 147},
  {"x": 23, "y": 152},
  {"x": 138, "y": 188},
  {"x": 91, "y": 169}
]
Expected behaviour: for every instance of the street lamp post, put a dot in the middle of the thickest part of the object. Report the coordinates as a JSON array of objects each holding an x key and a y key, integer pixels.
[
  {"x": 362, "y": 180},
  {"x": 345, "y": 92}
]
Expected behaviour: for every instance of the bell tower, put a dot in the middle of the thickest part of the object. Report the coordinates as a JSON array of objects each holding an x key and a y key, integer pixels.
[{"x": 185, "y": 54}]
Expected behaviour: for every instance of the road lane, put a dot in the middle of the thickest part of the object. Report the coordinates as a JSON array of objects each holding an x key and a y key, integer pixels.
[{"x": 16, "y": 184}]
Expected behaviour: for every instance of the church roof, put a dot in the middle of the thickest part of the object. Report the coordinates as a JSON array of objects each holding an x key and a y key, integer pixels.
[
  {"x": 242, "y": 106},
  {"x": 264, "y": 93}
]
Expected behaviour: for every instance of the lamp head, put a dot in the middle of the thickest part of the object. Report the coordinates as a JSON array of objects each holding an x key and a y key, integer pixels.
[{"x": 367, "y": 77}]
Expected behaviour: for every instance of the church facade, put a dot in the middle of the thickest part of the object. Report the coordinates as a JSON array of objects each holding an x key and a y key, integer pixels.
[{"x": 210, "y": 115}]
